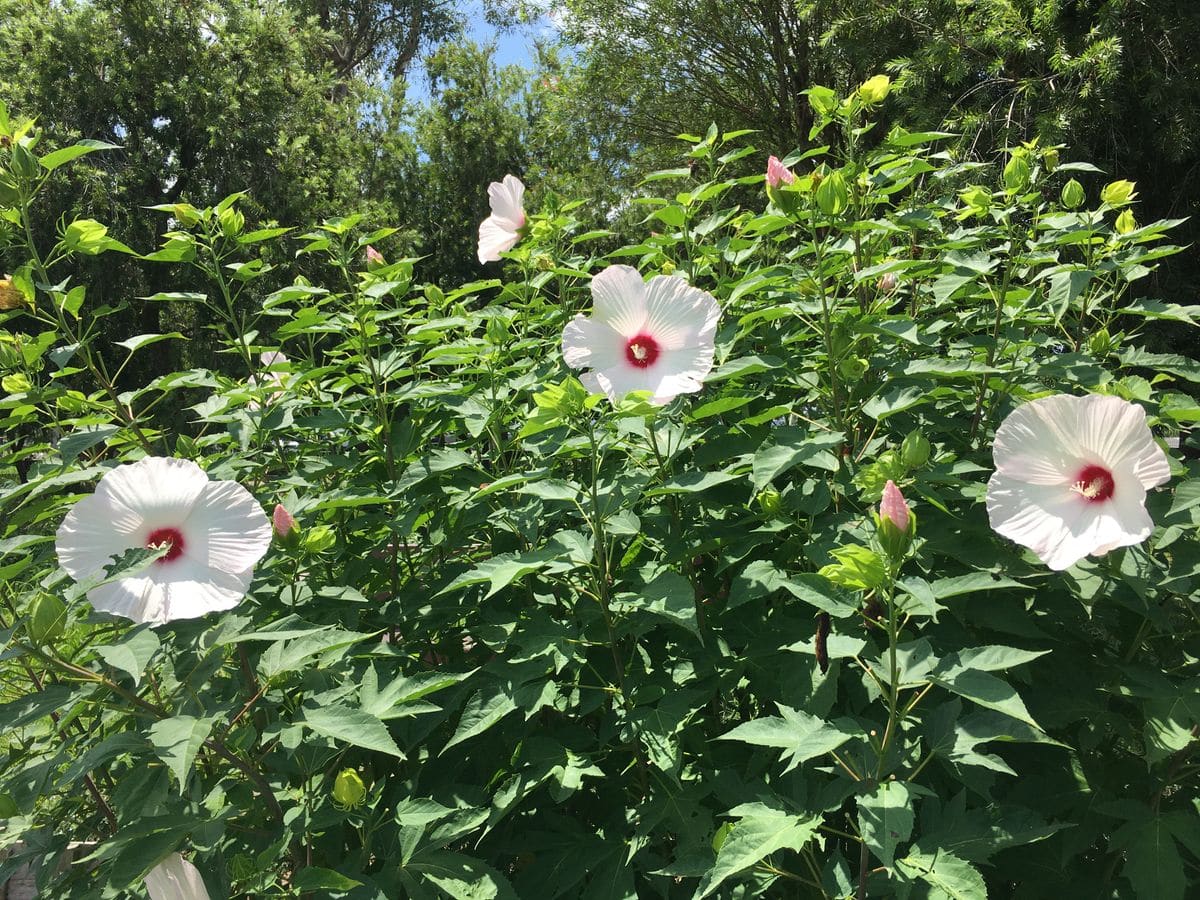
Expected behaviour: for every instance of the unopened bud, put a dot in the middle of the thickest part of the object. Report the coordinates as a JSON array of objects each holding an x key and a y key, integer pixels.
[
  {"x": 1073, "y": 195},
  {"x": 887, "y": 282},
  {"x": 47, "y": 619},
  {"x": 285, "y": 526},
  {"x": 893, "y": 507},
  {"x": 770, "y": 502},
  {"x": 914, "y": 450},
  {"x": 895, "y": 522},
  {"x": 374, "y": 258},
  {"x": 348, "y": 789}
]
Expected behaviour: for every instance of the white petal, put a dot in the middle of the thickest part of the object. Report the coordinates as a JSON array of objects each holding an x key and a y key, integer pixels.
[
  {"x": 617, "y": 381},
  {"x": 590, "y": 343},
  {"x": 1062, "y": 527},
  {"x": 1115, "y": 433},
  {"x": 495, "y": 237},
  {"x": 680, "y": 371},
  {"x": 272, "y": 357},
  {"x": 129, "y": 502},
  {"x": 1037, "y": 443},
  {"x": 175, "y": 879},
  {"x": 507, "y": 200},
  {"x": 619, "y": 299},
  {"x": 679, "y": 315},
  {"x": 92, "y": 533},
  {"x": 180, "y": 589},
  {"x": 227, "y": 529}
]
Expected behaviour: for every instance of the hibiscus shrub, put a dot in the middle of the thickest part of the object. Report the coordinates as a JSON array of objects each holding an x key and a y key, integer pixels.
[{"x": 580, "y": 585}]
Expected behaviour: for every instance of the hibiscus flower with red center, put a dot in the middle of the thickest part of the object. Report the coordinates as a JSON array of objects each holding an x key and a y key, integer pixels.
[
  {"x": 1071, "y": 477},
  {"x": 213, "y": 533},
  {"x": 654, "y": 336}
]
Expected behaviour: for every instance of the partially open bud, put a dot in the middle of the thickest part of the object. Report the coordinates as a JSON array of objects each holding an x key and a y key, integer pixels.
[
  {"x": 779, "y": 179},
  {"x": 285, "y": 526},
  {"x": 887, "y": 282},
  {"x": 778, "y": 174},
  {"x": 374, "y": 258},
  {"x": 348, "y": 789},
  {"x": 896, "y": 523}
]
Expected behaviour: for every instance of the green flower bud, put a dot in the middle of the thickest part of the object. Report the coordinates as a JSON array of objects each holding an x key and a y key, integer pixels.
[
  {"x": 1118, "y": 193},
  {"x": 876, "y": 89},
  {"x": 1126, "y": 222},
  {"x": 1100, "y": 343},
  {"x": 1050, "y": 158},
  {"x": 832, "y": 195},
  {"x": 852, "y": 368},
  {"x": 1073, "y": 195},
  {"x": 348, "y": 790},
  {"x": 914, "y": 450},
  {"x": 1017, "y": 173},
  {"x": 770, "y": 502},
  {"x": 47, "y": 619}
]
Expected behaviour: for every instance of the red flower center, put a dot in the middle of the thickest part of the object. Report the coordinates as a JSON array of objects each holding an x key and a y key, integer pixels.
[
  {"x": 172, "y": 537},
  {"x": 1094, "y": 483},
  {"x": 641, "y": 351}
]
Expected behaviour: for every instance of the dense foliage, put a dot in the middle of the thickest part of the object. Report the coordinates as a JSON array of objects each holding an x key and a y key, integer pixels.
[{"x": 530, "y": 643}]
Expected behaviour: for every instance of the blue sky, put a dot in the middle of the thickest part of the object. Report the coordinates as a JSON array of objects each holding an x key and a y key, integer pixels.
[{"x": 513, "y": 47}]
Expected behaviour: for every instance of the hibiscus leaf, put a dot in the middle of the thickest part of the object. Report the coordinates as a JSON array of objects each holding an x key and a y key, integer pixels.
[
  {"x": 886, "y": 819},
  {"x": 352, "y": 726},
  {"x": 801, "y": 736},
  {"x": 132, "y": 654},
  {"x": 759, "y": 833},
  {"x": 177, "y": 740}
]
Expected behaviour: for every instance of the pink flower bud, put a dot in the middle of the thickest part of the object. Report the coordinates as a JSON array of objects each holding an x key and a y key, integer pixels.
[
  {"x": 887, "y": 282},
  {"x": 893, "y": 507},
  {"x": 374, "y": 257},
  {"x": 778, "y": 173},
  {"x": 283, "y": 521}
]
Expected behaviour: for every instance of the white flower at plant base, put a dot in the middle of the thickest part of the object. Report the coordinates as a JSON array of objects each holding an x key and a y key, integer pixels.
[
  {"x": 1071, "y": 477},
  {"x": 274, "y": 379},
  {"x": 501, "y": 230},
  {"x": 215, "y": 532},
  {"x": 655, "y": 336},
  {"x": 175, "y": 879}
]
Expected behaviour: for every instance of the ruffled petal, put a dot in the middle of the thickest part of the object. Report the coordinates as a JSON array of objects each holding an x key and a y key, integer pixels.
[
  {"x": 589, "y": 343},
  {"x": 679, "y": 315},
  {"x": 227, "y": 529},
  {"x": 1114, "y": 432},
  {"x": 507, "y": 198},
  {"x": 92, "y": 533},
  {"x": 680, "y": 372},
  {"x": 175, "y": 879},
  {"x": 495, "y": 237},
  {"x": 1037, "y": 443},
  {"x": 180, "y": 589},
  {"x": 619, "y": 300}
]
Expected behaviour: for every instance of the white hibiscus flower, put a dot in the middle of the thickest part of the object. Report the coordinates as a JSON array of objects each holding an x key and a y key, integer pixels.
[
  {"x": 501, "y": 230},
  {"x": 655, "y": 336},
  {"x": 215, "y": 532},
  {"x": 1071, "y": 477}
]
